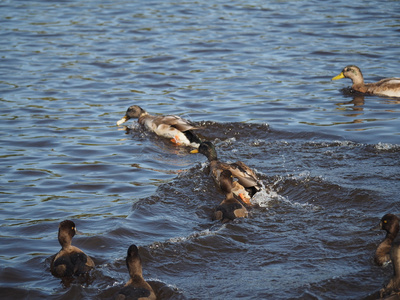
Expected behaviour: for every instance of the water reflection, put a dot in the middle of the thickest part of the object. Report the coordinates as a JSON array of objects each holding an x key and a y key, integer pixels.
[{"x": 357, "y": 102}]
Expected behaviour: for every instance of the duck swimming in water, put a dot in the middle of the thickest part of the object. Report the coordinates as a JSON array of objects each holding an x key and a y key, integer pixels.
[
  {"x": 388, "y": 251},
  {"x": 246, "y": 182},
  {"x": 70, "y": 260},
  {"x": 389, "y": 223},
  {"x": 230, "y": 208},
  {"x": 179, "y": 130},
  {"x": 386, "y": 87},
  {"x": 136, "y": 287}
]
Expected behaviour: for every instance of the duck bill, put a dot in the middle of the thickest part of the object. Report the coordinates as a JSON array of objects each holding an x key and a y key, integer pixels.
[
  {"x": 378, "y": 227},
  {"x": 123, "y": 120},
  {"x": 194, "y": 151},
  {"x": 340, "y": 76}
]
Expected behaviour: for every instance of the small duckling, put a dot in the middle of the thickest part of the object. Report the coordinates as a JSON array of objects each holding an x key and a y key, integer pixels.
[
  {"x": 230, "y": 208},
  {"x": 387, "y": 251},
  {"x": 136, "y": 287},
  {"x": 70, "y": 260},
  {"x": 246, "y": 182},
  {"x": 386, "y": 87},
  {"x": 179, "y": 130},
  {"x": 389, "y": 223}
]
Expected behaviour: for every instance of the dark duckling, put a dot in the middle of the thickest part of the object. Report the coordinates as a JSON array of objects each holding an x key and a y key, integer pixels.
[
  {"x": 386, "y": 87},
  {"x": 246, "y": 182},
  {"x": 230, "y": 208},
  {"x": 388, "y": 251},
  {"x": 136, "y": 287},
  {"x": 70, "y": 260},
  {"x": 389, "y": 223},
  {"x": 179, "y": 130}
]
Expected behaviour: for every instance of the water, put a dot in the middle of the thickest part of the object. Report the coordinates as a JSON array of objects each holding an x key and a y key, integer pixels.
[{"x": 256, "y": 76}]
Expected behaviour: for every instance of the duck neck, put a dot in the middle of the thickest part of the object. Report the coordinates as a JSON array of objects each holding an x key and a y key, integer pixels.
[
  {"x": 384, "y": 247},
  {"x": 135, "y": 269},
  {"x": 143, "y": 117},
  {"x": 64, "y": 241},
  {"x": 212, "y": 156},
  {"x": 358, "y": 81}
]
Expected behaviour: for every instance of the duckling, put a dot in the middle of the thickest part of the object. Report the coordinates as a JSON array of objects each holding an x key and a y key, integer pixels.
[
  {"x": 386, "y": 87},
  {"x": 230, "y": 208},
  {"x": 179, "y": 130},
  {"x": 136, "y": 287},
  {"x": 389, "y": 223},
  {"x": 246, "y": 182},
  {"x": 70, "y": 260}
]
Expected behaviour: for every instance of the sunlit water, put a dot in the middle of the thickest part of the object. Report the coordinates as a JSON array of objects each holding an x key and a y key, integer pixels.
[{"x": 257, "y": 77}]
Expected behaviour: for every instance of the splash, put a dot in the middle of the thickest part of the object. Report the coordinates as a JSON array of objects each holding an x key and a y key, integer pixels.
[
  {"x": 386, "y": 147},
  {"x": 265, "y": 196}
]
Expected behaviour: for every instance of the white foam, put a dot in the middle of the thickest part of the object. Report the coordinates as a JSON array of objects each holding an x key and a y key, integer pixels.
[{"x": 386, "y": 146}]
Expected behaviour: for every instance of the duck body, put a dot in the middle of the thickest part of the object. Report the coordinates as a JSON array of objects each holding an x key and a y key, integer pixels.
[
  {"x": 389, "y": 87},
  {"x": 70, "y": 260},
  {"x": 179, "y": 130},
  {"x": 136, "y": 287},
  {"x": 393, "y": 287},
  {"x": 246, "y": 182},
  {"x": 230, "y": 208}
]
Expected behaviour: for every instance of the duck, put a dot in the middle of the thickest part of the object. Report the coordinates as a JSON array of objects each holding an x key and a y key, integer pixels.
[
  {"x": 387, "y": 252},
  {"x": 178, "y": 130},
  {"x": 136, "y": 287},
  {"x": 230, "y": 208},
  {"x": 246, "y": 183},
  {"x": 389, "y": 223},
  {"x": 389, "y": 87},
  {"x": 70, "y": 260}
]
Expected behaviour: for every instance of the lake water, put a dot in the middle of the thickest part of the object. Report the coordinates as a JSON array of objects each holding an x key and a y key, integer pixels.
[{"x": 257, "y": 76}]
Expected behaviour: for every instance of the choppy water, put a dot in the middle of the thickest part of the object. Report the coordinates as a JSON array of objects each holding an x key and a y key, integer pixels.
[{"x": 257, "y": 76}]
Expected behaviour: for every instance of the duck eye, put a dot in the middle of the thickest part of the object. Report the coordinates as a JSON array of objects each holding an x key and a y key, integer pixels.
[{"x": 385, "y": 221}]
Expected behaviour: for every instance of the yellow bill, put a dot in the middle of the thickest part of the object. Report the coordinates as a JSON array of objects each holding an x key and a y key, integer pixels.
[
  {"x": 340, "y": 76},
  {"x": 123, "y": 120}
]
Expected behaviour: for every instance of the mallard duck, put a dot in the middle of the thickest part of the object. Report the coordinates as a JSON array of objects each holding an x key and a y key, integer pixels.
[
  {"x": 389, "y": 223},
  {"x": 246, "y": 182},
  {"x": 136, "y": 287},
  {"x": 179, "y": 130},
  {"x": 70, "y": 260},
  {"x": 388, "y": 251},
  {"x": 386, "y": 87},
  {"x": 230, "y": 208}
]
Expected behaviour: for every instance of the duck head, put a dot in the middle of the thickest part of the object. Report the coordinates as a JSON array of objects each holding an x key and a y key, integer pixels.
[{"x": 133, "y": 111}]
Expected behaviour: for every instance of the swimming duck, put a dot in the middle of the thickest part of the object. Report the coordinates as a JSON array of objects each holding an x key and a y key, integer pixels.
[
  {"x": 230, "y": 208},
  {"x": 389, "y": 223},
  {"x": 70, "y": 260},
  {"x": 136, "y": 287},
  {"x": 179, "y": 130},
  {"x": 246, "y": 182},
  {"x": 386, "y": 87}
]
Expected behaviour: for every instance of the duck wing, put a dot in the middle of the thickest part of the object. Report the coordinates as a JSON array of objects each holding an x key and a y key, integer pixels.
[
  {"x": 246, "y": 176},
  {"x": 387, "y": 87},
  {"x": 174, "y": 121}
]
